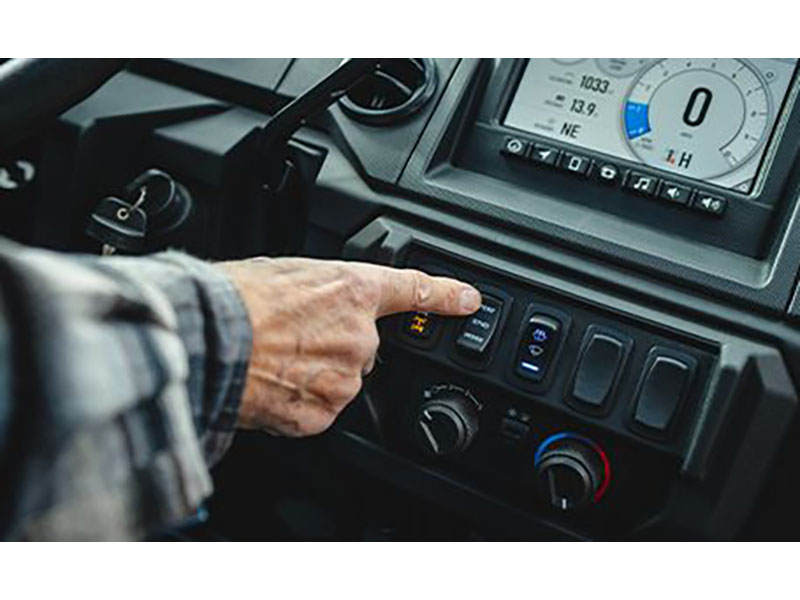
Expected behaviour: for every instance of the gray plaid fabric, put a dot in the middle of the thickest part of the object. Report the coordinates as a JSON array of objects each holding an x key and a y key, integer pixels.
[{"x": 120, "y": 380}]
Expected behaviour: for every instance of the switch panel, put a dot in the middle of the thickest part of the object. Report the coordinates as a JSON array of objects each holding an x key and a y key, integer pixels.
[{"x": 593, "y": 366}]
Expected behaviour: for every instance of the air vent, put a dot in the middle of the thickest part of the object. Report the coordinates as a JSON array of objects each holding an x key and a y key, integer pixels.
[{"x": 397, "y": 89}]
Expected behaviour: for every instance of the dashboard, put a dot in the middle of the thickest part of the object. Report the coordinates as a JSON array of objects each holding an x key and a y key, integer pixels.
[{"x": 632, "y": 225}]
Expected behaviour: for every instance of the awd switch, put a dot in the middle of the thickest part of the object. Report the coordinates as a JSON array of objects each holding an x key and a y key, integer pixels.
[
  {"x": 420, "y": 329},
  {"x": 420, "y": 325}
]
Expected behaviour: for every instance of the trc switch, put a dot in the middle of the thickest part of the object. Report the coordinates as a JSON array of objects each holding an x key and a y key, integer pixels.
[
  {"x": 478, "y": 330},
  {"x": 478, "y": 334}
]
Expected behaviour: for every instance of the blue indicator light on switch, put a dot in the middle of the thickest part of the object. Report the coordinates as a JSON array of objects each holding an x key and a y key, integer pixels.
[{"x": 540, "y": 335}]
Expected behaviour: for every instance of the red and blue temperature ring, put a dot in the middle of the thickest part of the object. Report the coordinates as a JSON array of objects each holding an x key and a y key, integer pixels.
[{"x": 592, "y": 444}]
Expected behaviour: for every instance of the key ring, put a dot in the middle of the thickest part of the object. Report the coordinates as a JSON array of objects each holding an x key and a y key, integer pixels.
[{"x": 124, "y": 213}]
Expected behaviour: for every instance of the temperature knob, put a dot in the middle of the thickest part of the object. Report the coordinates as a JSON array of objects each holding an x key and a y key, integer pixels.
[
  {"x": 447, "y": 422},
  {"x": 572, "y": 471}
]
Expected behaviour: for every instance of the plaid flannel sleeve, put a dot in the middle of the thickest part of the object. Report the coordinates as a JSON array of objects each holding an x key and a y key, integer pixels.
[{"x": 120, "y": 380}]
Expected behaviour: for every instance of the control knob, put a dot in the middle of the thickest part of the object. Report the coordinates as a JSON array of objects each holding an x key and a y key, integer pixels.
[
  {"x": 447, "y": 422},
  {"x": 572, "y": 471}
]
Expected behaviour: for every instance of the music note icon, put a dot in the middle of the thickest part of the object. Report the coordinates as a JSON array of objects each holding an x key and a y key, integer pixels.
[{"x": 642, "y": 184}]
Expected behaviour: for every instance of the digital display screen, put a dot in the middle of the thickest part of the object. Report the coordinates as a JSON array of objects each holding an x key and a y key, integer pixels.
[{"x": 705, "y": 118}]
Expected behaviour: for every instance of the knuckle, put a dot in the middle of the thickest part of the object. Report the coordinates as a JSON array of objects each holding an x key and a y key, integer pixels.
[
  {"x": 361, "y": 351},
  {"x": 369, "y": 367},
  {"x": 373, "y": 340},
  {"x": 362, "y": 344},
  {"x": 321, "y": 423},
  {"x": 347, "y": 389},
  {"x": 421, "y": 287},
  {"x": 368, "y": 341},
  {"x": 350, "y": 351}
]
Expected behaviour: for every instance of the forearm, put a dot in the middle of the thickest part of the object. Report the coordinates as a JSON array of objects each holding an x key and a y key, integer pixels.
[
  {"x": 120, "y": 367},
  {"x": 214, "y": 329}
]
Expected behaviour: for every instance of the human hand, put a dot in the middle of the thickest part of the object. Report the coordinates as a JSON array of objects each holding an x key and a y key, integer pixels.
[{"x": 314, "y": 333}]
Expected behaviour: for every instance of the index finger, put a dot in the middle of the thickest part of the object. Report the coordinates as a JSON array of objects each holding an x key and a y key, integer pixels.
[{"x": 404, "y": 290}]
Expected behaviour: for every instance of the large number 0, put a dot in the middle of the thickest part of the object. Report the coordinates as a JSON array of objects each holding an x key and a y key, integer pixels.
[{"x": 694, "y": 118}]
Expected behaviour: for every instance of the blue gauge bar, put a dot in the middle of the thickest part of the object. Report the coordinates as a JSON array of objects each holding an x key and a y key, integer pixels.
[{"x": 636, "y": 119}]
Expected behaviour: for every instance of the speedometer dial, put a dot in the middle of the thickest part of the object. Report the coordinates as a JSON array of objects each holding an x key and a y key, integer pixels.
[{"x": 699, "y": 117}]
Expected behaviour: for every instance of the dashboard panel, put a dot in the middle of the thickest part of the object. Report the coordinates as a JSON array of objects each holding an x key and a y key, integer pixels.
[{"x": 632, "y": 371}]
